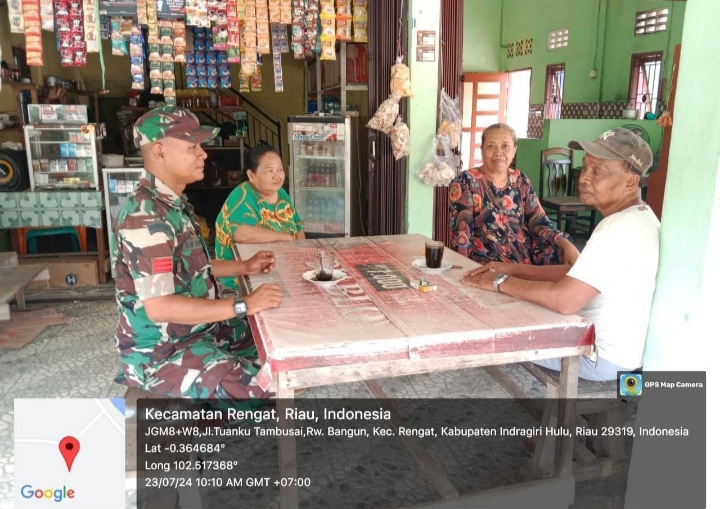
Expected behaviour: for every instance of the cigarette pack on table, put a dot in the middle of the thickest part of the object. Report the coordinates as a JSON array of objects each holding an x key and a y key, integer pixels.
[{"x": 423, "y": 286}]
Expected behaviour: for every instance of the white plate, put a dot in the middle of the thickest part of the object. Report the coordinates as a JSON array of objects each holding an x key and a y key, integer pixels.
[
  {"x": 420, "y": 264},
  {"x": 338, "y": 275}
]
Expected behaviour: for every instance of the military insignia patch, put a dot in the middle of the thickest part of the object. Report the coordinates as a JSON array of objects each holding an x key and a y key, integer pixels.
[{"x": 162, "y": 265}]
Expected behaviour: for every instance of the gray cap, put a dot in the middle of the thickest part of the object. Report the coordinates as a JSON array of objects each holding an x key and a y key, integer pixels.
[{"x": 619, "y": 143}]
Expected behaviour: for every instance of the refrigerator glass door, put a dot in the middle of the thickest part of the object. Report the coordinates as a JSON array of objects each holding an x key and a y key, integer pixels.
[{"x": 318, "y": 176}]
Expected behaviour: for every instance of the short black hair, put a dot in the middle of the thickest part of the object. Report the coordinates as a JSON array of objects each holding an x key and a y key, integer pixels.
[{"x": 257, "y": 153}]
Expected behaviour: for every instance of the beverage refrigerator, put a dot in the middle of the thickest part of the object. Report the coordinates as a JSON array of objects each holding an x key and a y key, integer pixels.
[{"x": 321, "y": 155}]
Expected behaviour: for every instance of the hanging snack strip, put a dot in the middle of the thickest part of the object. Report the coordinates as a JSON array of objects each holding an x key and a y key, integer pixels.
[
  {"x": 212, "y": 8},
  {"x": 263, "y": 27},
  {"x": 343, "y": 27},
  {"x": 286, "y": 12},
  {"x": 327, "y": 27},
  {"x": 312, "y": 23},
  {"x": 279, "y": 45},
  {"x": 167, "y": 57},
  {"x": 152, "y": 19},
  {"x": 155, "y": 64},
  {"x": 90, "y": 24},
  {"x": 15, "y": 16},
  {"x": 274, "y": 11},
  {"x": 233, "y": 35},
  {"x": 220, "y": 27},
  {"x": 142, "y": 12},
  {"x": 33, "y": 37},
  {"x": 137, "y": 57},
  {"x": 279, "y": 39},
  {"x": 179, "y": 41},
  {"x": 298, "y": 29},
  {"x": 46, "y": 15},
  {"x": 71, "y": 39},
  {"x": 119, "y": 44},
  {"x": 360, "y": 21}
]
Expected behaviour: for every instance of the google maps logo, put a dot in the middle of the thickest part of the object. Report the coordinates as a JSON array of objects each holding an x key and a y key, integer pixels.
[{"x": 58, "y": 495}]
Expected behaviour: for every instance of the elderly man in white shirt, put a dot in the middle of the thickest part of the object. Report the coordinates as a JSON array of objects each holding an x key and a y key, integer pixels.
[{"x": 613, "y": 280}]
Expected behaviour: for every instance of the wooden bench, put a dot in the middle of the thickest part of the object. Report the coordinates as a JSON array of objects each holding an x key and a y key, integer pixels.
[
  {"x": 597, "y": 405},
  {"x": 163, "y": 498},
  {"x": 13, "y": 280}
]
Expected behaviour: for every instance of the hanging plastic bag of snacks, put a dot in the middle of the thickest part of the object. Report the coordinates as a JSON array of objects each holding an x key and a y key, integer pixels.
[
  {"x": 400, "y": 79},
  {"x": 400, "y": 139},
  {"x": 384, "y": 118},
  {"x": 438, "y": 169}
]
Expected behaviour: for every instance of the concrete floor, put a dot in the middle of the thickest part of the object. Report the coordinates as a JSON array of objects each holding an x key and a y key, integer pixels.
[{"x": 79, "y": 359}]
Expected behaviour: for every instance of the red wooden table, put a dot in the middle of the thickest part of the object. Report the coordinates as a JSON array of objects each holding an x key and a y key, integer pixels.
[{"x": 375, "y": 325}]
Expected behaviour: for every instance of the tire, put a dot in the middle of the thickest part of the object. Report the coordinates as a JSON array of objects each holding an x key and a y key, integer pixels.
[{"x": 13, "y": 170}]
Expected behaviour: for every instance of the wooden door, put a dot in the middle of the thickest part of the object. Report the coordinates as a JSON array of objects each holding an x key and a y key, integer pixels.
[
  {"x": 484, "y": 102},
  {"x": 656, "y": 181}
]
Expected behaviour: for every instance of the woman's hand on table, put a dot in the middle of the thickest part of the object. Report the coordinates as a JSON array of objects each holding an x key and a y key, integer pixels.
[
  {"x": 494, "y": 267},
  {"x": 267, "y": 296},
  {"x": 262, "y": 261},
  {"x": 483, "y": 276}
]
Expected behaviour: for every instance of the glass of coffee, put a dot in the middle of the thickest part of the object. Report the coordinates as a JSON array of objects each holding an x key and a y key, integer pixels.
[
  {"x": 324, "y": 265},
  {"x": 434, "y": 254}
]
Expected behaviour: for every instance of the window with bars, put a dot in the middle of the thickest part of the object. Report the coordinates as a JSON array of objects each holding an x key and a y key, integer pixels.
[
  {"x": 645, "y": 82},
  {"x": 649, "y": 22},
  {"x": 554, "y": 86},
  {"x": 557, "y": 39}
]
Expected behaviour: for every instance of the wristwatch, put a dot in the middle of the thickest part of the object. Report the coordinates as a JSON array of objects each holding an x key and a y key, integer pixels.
[
  {"x": 499, "y": 279},
  {"x": 240, "y": 307}
]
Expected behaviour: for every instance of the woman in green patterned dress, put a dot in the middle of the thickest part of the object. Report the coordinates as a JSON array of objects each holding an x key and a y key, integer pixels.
[{"x": 258, "y": 210}]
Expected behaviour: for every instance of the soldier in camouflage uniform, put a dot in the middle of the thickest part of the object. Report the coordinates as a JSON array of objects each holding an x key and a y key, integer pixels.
[{"x": 175, "y": 335}]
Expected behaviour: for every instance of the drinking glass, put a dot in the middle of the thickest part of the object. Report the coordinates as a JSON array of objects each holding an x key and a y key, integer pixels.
[
  {"x": 324, "y": 265},
  {"x": 434, "y": 254}
]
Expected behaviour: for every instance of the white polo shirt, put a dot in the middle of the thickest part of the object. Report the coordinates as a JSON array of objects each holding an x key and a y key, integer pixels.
[{"x": 620, "y": 261}]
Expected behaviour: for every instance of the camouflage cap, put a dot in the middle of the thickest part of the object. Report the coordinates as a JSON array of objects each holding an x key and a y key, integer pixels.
[{"x": 171, "y": 122}]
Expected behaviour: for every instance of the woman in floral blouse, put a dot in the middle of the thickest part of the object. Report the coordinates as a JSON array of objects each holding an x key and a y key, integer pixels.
[
  {"x": 495, "y": 214},
  {"x": 258, "y": 210}
]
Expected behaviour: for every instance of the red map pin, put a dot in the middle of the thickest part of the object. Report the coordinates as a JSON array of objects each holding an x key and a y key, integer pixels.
[{"x": 69, "y": 448}]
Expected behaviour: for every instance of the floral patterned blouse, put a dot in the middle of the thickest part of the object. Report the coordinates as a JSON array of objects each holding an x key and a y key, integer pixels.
[
  {"x": 245, "y": 206},
  {"x": 503, "y": 225}
]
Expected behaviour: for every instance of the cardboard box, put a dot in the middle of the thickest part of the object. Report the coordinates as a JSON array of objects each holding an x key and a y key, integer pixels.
[
  {"x": 73, "y": 272},
  {"x": 42, "y": 280}
]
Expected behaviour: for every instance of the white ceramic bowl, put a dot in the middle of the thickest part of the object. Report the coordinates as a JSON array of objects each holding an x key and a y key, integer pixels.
[{"x": 630, "y": 114}]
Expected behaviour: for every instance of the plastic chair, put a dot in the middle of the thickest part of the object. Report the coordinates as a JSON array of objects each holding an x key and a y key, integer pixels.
[
  {"x": 556, "y": 188},
  {"x": 32, "y": 234}
]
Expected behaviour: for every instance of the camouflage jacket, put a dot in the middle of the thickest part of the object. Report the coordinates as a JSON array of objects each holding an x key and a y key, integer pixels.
[{"x": 158, "y": 251}]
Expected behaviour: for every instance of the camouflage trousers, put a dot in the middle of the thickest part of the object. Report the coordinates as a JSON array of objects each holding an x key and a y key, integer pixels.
[{"x": 216, "y": 367}]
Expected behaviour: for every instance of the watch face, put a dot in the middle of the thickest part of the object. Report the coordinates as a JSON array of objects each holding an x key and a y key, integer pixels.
[{"x": 240, "y": 307}]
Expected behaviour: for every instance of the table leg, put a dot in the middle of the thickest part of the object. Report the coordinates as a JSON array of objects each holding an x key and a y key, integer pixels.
[
  {"x": 567, "y": 394},
  {"x": 287, "y": 450},
  {"x": 102, "y": 254},
  {"x": 20, "y": 298}
]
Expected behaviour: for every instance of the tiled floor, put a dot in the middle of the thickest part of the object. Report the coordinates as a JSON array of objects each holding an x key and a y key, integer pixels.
[{"x": 79, "y": 359}]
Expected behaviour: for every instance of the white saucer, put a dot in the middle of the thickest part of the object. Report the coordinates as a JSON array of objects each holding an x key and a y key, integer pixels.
[
  {"x": 420, "y": 264},
  {"x": 338, "y": 275}
]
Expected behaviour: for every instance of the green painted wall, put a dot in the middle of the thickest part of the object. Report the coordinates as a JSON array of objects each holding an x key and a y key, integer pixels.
[
  {"x": 601, "y": 37},
  {"x": 621, "y": 43},
  {"x": 422, "y": 111},
  {"x": 685, "y": 302},
  {"x": 557, "y": 133},
  {"x": 481, "y": 36}
]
